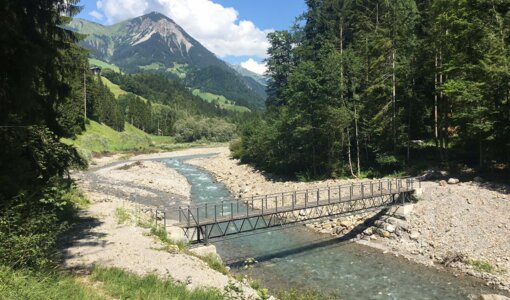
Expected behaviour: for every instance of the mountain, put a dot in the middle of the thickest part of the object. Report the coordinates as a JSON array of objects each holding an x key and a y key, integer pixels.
[
  {"x": 155, "y": 43},
  {"x": 261, "y": 79}
]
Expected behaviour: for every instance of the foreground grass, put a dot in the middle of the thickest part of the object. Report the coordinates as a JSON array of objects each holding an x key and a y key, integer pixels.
[
  {"x": 31, "y": 285},
  {"x": 123, "y": 285},
  {"x": 103, "y": 283}
]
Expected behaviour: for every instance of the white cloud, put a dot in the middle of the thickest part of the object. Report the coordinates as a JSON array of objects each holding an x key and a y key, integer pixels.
[
  {"x": 254, "y": 66},
  {"x": 216, "y": 27},
  {"x": 97, "y": 15}
]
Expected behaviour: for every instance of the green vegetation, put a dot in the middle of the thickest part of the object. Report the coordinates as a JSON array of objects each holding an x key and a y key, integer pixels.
[
  {"x": 115, "y": 89},
  {"x": 180, "y": 70},
  {"x": 220, "y": 101},
  {"x": 123, "y": 285},
  {"x": 30, "y": 285},
  {"x": 122, "y": 215},
  {"x": 103, "y": 283},
  {"x": 103, "y": 65},
  {"x": 195, "y": 129},
  {"x": 354, "y": 86},
  {"x": 99, "y": 138},
  {"x": 153, "y": 66},
  {"x": 481, "y": 266}
]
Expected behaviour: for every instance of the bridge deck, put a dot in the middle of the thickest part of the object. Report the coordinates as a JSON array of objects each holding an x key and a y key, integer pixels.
[
  {"x": 288, "y": 208},
  {"x": 207, "y": 221}
]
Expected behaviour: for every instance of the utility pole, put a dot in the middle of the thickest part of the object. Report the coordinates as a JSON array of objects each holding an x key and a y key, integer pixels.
[{"x": 85, "y": 96}]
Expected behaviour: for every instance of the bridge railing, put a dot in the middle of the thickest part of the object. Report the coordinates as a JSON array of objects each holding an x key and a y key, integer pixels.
[{"x": 196, "y": 214}]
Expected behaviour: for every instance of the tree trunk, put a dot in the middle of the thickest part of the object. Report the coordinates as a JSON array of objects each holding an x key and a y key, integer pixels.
[
  {"x": 349, "y": 152},
  {"x": 357, "y": 140},
  {"x": 393, "y": 100}
]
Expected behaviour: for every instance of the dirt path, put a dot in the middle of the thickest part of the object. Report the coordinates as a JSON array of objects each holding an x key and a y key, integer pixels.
[{"x": 104, "y": 241}]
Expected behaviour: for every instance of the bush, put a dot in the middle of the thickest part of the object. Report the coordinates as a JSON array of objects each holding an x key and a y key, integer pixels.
[{"x": 31, "y": 223}]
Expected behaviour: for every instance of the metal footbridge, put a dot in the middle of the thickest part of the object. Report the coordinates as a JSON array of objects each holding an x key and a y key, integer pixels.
[{"x": 203, "y": 222}]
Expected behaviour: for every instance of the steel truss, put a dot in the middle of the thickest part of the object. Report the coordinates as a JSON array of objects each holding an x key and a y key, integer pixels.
[{"x": 205, "y": 230}]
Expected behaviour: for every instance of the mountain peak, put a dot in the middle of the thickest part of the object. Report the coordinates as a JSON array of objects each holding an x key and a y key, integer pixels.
[{"x": 156, "y": 16}]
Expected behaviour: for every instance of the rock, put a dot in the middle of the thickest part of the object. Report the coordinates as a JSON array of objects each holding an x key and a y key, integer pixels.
[
  {"x": 392, "y": 221},
  {"x": 478, "y": 179},
  {"x": 404, "y": 212},
  {"x": 442, "y": 183},
  {"x": 369, "y": 231},
  {"x": 453, "y": 181},
  {"x": 492, "y": 297},
  {"x": 204, "y": 251},
  {"x": 340, "y": 230},
  {"x": 345, "y": 223},
  {"x": 415, "y": 235},
  {"x": 390, "y": 228},
  {"x": 383, "y": 232}
]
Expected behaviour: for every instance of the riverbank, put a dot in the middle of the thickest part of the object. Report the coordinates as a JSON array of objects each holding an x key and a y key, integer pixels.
[
  {"x": 463, "y": 227},
  {"x": 112, "y": 238}
]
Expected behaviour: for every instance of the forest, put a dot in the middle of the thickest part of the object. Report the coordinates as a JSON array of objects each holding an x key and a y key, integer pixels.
[{"x": 365, "y": 88}]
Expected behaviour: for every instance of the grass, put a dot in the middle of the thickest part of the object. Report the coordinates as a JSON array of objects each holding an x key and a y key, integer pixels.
[
  {"x": 178, "y": 69},
  {"x": 223, "y": 102},
  {"x": 481, "y": 266},
  {"x": 114, "y": 88},
  {"x": 32, "y": 285},
  {"x": 122, "y": 215},
  {"x": 153, "y": 66},
  {"x": 104, "y": 65},
  {"x": 103, "y": 283},
  {"x": 122, "y": 285},
  {"x": 99, "y": 138}
]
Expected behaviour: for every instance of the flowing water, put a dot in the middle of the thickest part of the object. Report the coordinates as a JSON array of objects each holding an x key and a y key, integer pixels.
[{"x": 295, "y": 258}]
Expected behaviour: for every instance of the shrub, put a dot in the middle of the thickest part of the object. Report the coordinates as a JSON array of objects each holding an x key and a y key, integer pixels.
[
  {"x": 31, "y": 223},
  {"x": 192, "y": 129}
]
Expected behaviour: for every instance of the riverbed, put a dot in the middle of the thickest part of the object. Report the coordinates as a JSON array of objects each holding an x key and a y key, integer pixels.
[{"x": 295, "y": 258}]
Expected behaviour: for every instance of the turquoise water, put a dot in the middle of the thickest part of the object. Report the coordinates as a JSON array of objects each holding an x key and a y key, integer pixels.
[{"x": 295, "y": 258}]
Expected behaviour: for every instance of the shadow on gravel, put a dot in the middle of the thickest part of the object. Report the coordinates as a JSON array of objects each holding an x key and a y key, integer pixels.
[{"x": 79, "y": 235}]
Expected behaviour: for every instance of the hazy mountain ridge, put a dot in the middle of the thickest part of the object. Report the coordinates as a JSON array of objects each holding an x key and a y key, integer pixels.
[{"x": 156, "y": 40}]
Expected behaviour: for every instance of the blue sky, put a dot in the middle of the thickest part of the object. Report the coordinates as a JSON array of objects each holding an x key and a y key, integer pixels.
[{"x": 234, "y": 30}]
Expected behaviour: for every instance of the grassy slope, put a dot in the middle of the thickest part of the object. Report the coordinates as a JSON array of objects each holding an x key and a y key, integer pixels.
[
  {"x": 104, "y": 283},
  {"x": 223, "y": 102},
  {"x": 99, "y": 138},
  {"x": 103, "y": 65},
  {"x": 114, "y": 88}
]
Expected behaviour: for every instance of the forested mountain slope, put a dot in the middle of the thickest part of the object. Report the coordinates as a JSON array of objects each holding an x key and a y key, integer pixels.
[{"x": 154, "y": 42}]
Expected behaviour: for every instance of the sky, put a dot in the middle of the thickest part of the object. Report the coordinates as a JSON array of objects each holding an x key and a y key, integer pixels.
[{"x": 234, "y": 30}]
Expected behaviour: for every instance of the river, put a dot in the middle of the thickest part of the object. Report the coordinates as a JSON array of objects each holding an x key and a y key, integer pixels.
[{"x": 296, "y": 258}]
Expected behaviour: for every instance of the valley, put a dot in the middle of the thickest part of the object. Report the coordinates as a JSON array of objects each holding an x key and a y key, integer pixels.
[{"x": 258, "y": 150}]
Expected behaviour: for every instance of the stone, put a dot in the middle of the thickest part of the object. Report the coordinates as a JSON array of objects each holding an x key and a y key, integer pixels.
[
  {"x": 369, "y": 231},
  {"x": 340, "y": 230},
  {"x": 390, "y": 228},
  {"x": 345, "y": 223},
  {"x": 478, "y": 179},
  {"x": 415, "y": 235},
  {"x": 383, "y": 232},
  {"x": 204, "y": 251},
  {"x": 453, "y": 181},
  {"x": 404, "y": 212},
  {"x": 418, "y": 192},
  {"x": 492, "y": 297},
  {"x": 392, "y": 221},
  {"x": 442, "y": 183}
]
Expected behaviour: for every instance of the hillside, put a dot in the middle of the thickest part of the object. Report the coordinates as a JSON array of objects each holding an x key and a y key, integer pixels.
[{"x": 155, "y": 43}]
